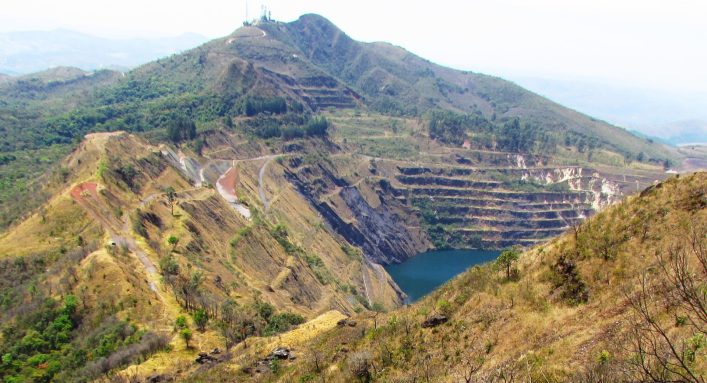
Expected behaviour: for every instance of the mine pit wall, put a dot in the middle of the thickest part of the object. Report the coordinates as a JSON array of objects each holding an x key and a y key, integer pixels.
[
  {"x": 380, "y": 232},
  {"x": 472, "y": 208}
]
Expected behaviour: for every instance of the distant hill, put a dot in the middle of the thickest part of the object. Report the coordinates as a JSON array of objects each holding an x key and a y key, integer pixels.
[
  {"x": 674, "y": 117},
  {"x": 312, "y": 62},
  {"x": 681, "y": 132},
  {"x": 33, "y": 51},
  {"x": 678, "y": 133}
]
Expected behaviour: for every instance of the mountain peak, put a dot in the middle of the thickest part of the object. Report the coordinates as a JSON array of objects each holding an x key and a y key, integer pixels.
[{"x": 317, "y": 29}]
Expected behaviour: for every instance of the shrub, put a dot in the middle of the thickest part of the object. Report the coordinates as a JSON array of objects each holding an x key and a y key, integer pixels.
[
  {"x": 282, "y": 322},
  {"x": 180, "y": 322},
  {"x": 186, "y": 335},
  {"x": 168, "y": 266},
  {"x": 200, "y": 319},
  {"x": 603, "y": 357},
  {"x": 444, "y": 307},
  {"x": 360, "y": 366},
  {"x": 173, "y": 240},
  {"x": 567, "y": 279}
]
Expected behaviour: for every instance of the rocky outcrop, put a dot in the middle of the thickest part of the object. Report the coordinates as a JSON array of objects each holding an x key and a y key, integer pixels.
[
  {"x": 377, "y": 230},
  {"x": 434, "y": 321}
]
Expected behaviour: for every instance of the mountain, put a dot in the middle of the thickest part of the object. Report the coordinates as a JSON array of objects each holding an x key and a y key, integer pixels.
[
  {"x": 315, "y": 62},
  {"x": 33, "y": 51},
  {"x": 604, "y": 303},
  {"x": 671, "y": 116},
  {"x": 231, "y": 193},
  {"x": 683, "y": 132}
]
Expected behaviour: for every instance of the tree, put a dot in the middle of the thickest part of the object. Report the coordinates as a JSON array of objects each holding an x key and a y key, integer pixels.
[
  {"x": 169, "y": 266},
  {"x": 181, "y": 322},
  {"x": 171, "y": 197},
  {"x": 186, "y": 335},
  {"x": 200, "y": 319},
  {"x": 180, "y": 128},
  {"x": 360, "y": 366},
  {"x": 670, "y": 350},
  {"x": 173, "y": 240},
  {"x": 507, "y": 258}
]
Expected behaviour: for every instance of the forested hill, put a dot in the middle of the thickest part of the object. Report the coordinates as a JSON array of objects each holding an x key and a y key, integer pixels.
[
  {"x": 312, "y": 62},
  {"x": 308, "y": 65}
]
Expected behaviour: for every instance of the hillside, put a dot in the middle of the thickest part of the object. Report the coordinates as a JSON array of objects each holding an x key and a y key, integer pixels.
[
  {"x": 310, "y": 66},
  {"x": 28, "y": 151},
  {"x": 601, "y": 304},
  {"x": 228, "y": 194},
  {"x": 131, "y": 253}
]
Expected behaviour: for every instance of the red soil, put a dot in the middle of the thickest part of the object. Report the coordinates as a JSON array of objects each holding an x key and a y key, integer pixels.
[
  {"x": 229, "y": 180},
  {"x": 77, "y": 193}
]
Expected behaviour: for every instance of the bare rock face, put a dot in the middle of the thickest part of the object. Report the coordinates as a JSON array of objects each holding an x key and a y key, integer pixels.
[
  {"x": 434, "y": 321},
  {"x": 380, "y": 231}
]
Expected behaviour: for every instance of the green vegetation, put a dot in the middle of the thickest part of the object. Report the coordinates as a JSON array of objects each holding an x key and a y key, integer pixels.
[
  {"x": 510, "y": 135},
  {"x": 641, "y": 319},
  {"x": 507, "y": 259},
  {"x": 181, "y": 128},
  {"x": 172, "y": 241},
  {"x": 282, "y": 322},
  {"x": 252, "y": 106},
  {"x": 45, "y": 346},
  {"x": 200, "y": 319},
  {"x": 290, "y": 128},
  {"x": 180, "y": 322},
  {"x": 243, "y": 232},
  {"x": 237, "y": 323},
  {"x": 168, "y": 265},
  {"x": 171, "y": 197},
  {"x": 279, "y": 232},
  {"x": 186, "y": 335}
]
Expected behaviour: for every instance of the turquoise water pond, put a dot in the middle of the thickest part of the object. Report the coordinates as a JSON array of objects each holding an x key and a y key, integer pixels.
[{"x": 426, "y": 271}]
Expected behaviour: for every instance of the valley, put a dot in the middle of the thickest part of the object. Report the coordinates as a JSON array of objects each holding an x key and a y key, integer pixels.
[{"x": 253, "y": 193}]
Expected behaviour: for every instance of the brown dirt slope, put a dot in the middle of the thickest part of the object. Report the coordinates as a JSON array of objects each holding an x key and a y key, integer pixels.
[{"x": 569, "y": 312}]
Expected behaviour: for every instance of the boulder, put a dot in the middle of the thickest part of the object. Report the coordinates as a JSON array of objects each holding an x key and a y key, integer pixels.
[
  {"x": 346, "y": 322},
  {"x": 156, "y": 378},
  {"x": 280, "y": 353},
  {"x": 204, "y": 358},
  {"x": 434, "y": 321}
]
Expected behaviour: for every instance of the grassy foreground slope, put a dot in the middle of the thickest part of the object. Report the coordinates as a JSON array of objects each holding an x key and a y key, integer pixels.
[
  {"x": 620, "y": 298},
  {"x": 97, "y": 279}
]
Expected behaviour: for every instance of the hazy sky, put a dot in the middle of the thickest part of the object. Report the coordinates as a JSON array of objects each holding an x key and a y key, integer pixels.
[{"x": 647, "y": 43}]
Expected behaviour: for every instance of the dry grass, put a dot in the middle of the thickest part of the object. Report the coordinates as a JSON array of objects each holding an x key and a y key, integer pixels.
[{"x": 522, "y": 327}]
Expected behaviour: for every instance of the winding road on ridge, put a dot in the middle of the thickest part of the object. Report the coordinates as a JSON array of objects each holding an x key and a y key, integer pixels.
[{"x": 261, "y": 187}]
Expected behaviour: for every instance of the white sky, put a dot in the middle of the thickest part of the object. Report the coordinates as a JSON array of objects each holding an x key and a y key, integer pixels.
[{"x": 656, "y": 44}]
